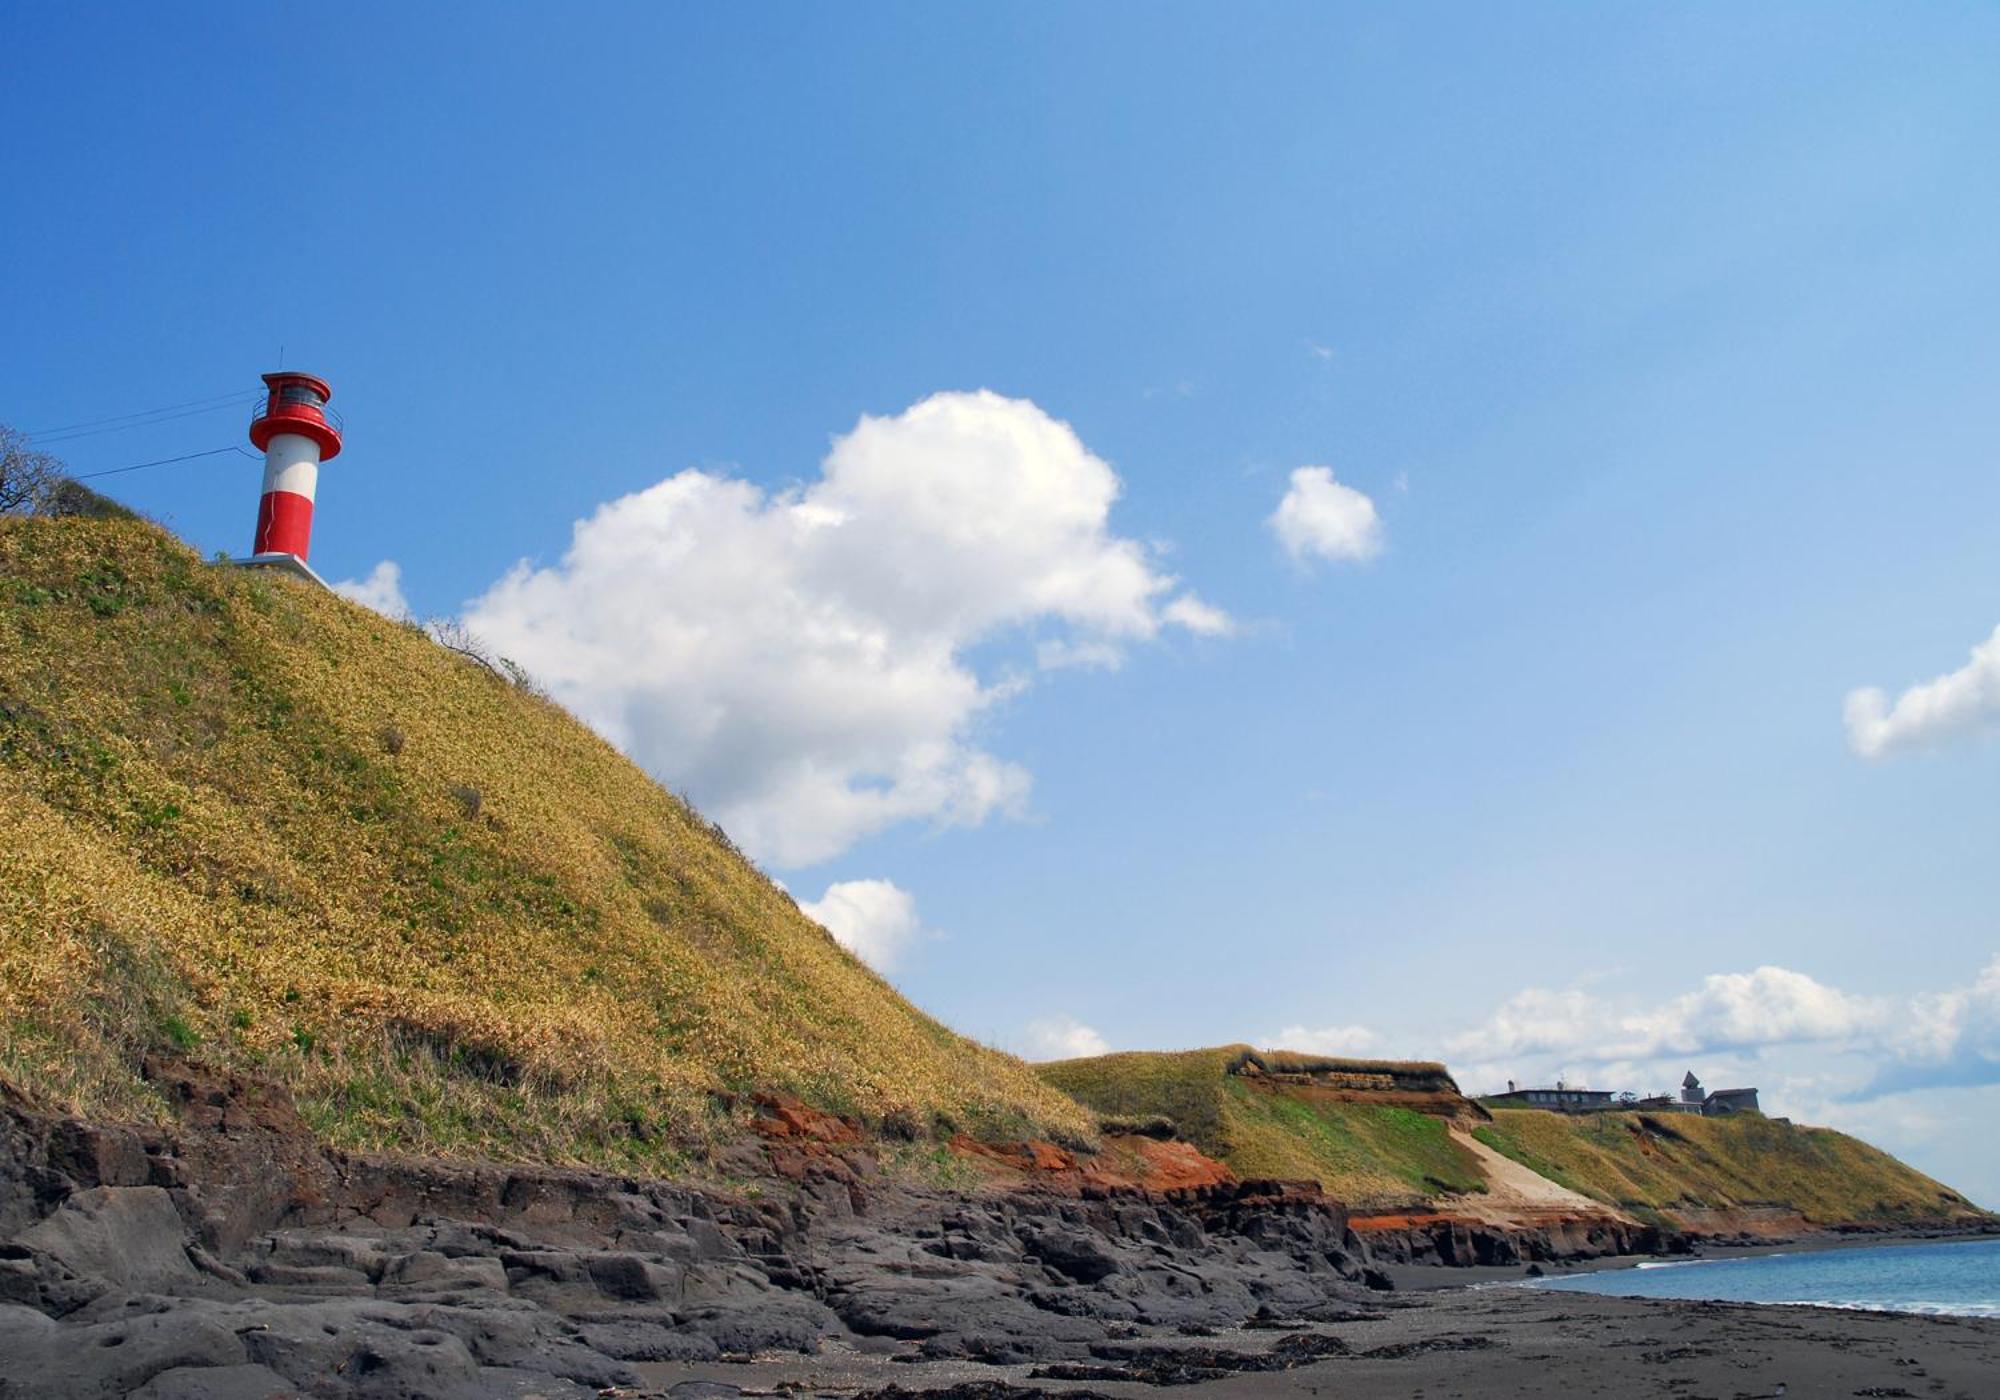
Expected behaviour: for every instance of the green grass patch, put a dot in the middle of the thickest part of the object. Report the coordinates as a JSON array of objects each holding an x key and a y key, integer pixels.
[{"x": 1368, "y": 1154}]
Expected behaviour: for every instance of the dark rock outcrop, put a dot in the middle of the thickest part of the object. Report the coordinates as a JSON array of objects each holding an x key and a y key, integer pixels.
[
  {"x": 1457, "y": 1242},
  {"x": 235, "y": 1257}
]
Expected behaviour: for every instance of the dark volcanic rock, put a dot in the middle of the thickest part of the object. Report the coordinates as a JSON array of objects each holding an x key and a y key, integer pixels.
[
  {"x": 1150, "y": 1364},
  {"x": 648, "y": 1338},
  {"x": 1073, "y": 1253},
  {"x": 109, "y": 1358},
  {"x": 980, "y": 1390},
  {"x": 1396, "y": 1351},
  {"x": 238, "y": 1259},
  {"x": 1459, "y": 1243},
  {"x": 128, "y": 1236},
  {"x": 217, "y": 1383}
]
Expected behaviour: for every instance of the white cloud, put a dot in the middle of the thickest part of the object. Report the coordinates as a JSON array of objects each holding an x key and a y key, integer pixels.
[
  {"x": 382, "y": 590},
  {"x": 1733, "y": 1010},
  {"x": 1908, "y": 1073},
  {"x": 1320, "y": 517},
  {"x": 1198, "y": 617},
  {"x": 1955, "y": 705},
  {"x": 1327, "y": 1040},
  {"x": 1950, "y": 1040},
  {"x": 1937, "y": 1040},
  {"x": 1063, "y": 1038},
  {"x": 1062, "y": 653},
  {"x": 797, "y": 661},
  {"x": 1729, "y": 1011},
  {"x": 876, "y": 920},
  {"x": 1536, "y": 1022}
]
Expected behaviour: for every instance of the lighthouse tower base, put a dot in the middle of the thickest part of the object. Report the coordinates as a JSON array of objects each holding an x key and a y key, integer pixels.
[{"x": 288, "y": 563}]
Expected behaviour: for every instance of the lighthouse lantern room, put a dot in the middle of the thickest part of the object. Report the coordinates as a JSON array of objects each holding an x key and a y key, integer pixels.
[{"x": 296, "y": 431}]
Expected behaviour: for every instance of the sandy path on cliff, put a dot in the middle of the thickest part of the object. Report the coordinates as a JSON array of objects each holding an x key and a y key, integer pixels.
[{"x": 1514, "y": 1190}]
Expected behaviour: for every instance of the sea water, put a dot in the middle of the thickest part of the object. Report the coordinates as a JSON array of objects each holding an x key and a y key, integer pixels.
[{"x": 1960, "y": 1278}]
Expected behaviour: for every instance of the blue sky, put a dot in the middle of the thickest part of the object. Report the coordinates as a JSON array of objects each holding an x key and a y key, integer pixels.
[{"x": 1660, "y": 340}]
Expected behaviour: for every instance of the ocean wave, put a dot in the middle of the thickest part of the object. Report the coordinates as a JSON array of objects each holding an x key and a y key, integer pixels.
[
  {"x": 1675, "y": 1263},
  {"x": 1927, "y": 1309}
]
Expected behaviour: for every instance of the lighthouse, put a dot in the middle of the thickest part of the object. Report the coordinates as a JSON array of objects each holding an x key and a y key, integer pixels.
[{"x": 296, "y": 432}]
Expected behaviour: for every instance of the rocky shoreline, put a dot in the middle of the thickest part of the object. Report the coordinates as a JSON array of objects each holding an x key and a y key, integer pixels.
[{"x": 237, "y": 1258}]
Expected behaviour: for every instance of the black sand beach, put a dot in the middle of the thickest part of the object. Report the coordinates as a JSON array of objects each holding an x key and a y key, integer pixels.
[{"x": 1477, "y": 1343}]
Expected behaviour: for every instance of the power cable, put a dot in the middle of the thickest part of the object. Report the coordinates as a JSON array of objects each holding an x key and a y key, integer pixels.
[
  {"x": 159, "y": 417},
  {"x": 142, "y": 413},
  {"x": 164, "y": 461}
]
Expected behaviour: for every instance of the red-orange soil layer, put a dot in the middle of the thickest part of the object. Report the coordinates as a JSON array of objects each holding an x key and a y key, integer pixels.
[{"x": 804, "y": 1141}]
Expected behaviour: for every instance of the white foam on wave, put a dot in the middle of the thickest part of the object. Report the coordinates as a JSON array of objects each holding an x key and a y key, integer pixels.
[
  {"x": 1926, "y": 1309},
  {"x": 1675, "y": 1263}
]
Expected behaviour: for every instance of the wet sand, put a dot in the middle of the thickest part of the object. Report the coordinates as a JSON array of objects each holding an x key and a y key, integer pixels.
[{"x": 1486, "y": 1342}]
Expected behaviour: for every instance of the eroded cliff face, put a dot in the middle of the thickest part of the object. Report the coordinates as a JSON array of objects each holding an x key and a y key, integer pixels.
[
  {"x": 1424, "y": 1086},
  {"x": 1432, "y": 1176},
  {"x": 237, "y": 1244},
  {"x": 1395, "y": 1139},
  {"x": 238, "y": 1248},
  {"x": 1517, "y": 1217}
]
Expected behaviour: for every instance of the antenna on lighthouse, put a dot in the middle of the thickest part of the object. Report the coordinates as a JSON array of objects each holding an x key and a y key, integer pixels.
[{"x": 296, "y": 432}]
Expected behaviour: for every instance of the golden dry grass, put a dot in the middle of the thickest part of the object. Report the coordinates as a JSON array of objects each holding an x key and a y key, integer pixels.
[
  {"x": 1655, "y": 1166},
  {"x": 1294, "y": 1062},
  {"x": 1369, "y": 1155},
  {"x": 239, "y": 820},
  {"x": 1382, "y": 1156}
]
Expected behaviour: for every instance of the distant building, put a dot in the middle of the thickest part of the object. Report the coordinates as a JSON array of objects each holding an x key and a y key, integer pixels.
[
  {"x": 1726, "y": 1101},
  {"x": 1560, "y": 1099},
  {"x": 1563, "y": 1098},
  {"x": 1718, "y": 1104}
]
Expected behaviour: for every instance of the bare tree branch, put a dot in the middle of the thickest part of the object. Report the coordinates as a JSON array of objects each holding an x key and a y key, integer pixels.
[
  {"x": 28, "y": 478},
  {"x": 454, "y": 636}
]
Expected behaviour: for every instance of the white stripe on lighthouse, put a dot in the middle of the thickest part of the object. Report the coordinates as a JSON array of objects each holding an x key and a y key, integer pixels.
[{"x": 291, "y": 463}]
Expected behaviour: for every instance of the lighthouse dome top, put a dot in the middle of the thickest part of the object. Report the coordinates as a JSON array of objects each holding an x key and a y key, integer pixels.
[
  {"x": 295, "y": 403},
  {"x": 294, "y": 378}
]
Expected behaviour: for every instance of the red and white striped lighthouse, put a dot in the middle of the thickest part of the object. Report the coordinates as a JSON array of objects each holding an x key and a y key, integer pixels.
[{"x": 296, "y": 432}]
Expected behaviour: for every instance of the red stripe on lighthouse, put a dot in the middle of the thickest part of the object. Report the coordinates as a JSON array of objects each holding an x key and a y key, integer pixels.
[{"x": 284, "y": 523}]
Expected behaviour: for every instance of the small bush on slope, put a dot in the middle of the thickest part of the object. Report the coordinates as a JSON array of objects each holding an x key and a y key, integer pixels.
[{"x": 209, "y": 845}]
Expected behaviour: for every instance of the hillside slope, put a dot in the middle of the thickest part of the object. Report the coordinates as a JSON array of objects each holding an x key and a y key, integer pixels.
[
  {"x": 1398, "y": 1137},
  {"x": 252, "y": 822},
  {"x": 1701, "y": 1173},
  {"x": 1373, "y": 1133}
]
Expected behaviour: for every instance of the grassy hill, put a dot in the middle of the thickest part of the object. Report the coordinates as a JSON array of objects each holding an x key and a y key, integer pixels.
[
  {"x": 1661, "y": 1167},
  {"x": 249, "y": 821},
  {"x": 1269, "y": 1124},
  {"x": 1376, "y": 1134}
]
